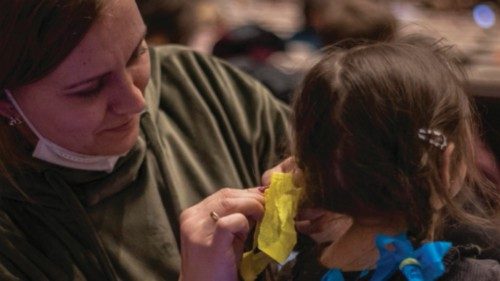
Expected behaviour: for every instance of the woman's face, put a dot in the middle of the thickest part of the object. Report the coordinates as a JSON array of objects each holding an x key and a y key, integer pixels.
[{"x": 92, "y": 101}]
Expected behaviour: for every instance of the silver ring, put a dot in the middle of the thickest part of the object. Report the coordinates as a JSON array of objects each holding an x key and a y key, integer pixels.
[{"x": 214, "y": 216}]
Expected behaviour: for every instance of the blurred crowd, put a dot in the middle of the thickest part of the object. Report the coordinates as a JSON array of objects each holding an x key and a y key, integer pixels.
[
  {"x": 274, "y": 40},
  {"x": 277, "y": 40}
]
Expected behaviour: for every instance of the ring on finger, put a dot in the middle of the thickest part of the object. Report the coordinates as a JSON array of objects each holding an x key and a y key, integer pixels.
[{"x": 214, "y": 216}]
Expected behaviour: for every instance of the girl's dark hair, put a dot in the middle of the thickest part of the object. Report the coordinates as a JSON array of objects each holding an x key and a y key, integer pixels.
[
  {"x": 36, "y": 36},
  {"x": 356, "y": 125}
]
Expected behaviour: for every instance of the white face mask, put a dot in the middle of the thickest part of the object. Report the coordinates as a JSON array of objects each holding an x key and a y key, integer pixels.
[{"x": 55, "y": 154}]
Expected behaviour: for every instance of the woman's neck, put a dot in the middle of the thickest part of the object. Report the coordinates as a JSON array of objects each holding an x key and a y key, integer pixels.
[{"x": 356, "y": 249}]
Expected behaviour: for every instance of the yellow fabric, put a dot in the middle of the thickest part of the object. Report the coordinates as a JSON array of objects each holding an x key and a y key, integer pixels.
[
  {"x": 252, "y": 264},
  {"x": 275, "y": 235}
]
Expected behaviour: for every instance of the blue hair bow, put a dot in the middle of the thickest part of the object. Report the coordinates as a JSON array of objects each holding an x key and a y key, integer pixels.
[{"x": 422, "y": 264}]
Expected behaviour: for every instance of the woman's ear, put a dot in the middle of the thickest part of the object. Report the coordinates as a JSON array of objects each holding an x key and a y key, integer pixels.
[{"x": 6, "y": 109}]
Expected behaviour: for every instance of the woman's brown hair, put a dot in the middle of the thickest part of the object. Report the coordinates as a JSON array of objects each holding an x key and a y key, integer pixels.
[
  {"x": 356, "y": 123},
  {"x": 37, "y": 35}
]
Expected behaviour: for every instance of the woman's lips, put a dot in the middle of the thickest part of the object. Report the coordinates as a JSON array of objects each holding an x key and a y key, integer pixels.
[{"x": 122, "y": 127}]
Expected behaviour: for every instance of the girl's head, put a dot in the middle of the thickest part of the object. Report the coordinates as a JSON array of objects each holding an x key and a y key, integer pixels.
[
  {"x": 358, "y": 138},
  {"x": 77, "y": 69}
]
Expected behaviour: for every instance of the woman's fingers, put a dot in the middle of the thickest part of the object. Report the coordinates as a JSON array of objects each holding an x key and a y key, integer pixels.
[
  {"x": 322, "y": 225},
  {"x": 215, "y": 208},
  {"x": 310, "y": 214},
  {"x": 286, "y": 166},
  {"x": 228, "y": 201},
  {"x": 309, "y": 221},
  {"x": 231, "y": 231},
  {"x": 229, "y": 193},
  {"x": 307, "y": 227},
  {"x": 214, "y": 232}
]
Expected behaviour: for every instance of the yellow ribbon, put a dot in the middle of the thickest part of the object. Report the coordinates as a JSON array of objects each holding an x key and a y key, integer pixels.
[{"x": 275, "y": 235}]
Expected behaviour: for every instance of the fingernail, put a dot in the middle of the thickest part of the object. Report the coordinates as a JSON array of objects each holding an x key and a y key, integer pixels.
[{"x": 262, "y": 188}]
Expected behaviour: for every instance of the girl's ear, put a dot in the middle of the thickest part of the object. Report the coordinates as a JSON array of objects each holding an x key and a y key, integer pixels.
[
  {"x": 446, "y": 165},
  {"x": 453, "y": 185},
  {"x": 446, "y": 173}
]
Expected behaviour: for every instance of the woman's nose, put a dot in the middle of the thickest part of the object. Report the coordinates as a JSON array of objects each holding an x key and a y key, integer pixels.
[{"x": 128, "y": 97}]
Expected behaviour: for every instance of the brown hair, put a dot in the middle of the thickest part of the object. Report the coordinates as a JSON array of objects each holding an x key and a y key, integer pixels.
[
  {"x": 356, "y": 126},
  {"x": 37, "y": 35}
]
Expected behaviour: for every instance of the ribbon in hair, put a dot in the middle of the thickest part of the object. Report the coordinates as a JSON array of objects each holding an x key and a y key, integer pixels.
[{"x": 422, "y": 264}]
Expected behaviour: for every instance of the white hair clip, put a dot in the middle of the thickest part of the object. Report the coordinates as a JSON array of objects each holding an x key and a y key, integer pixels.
[{"x": 434, "y": 137}]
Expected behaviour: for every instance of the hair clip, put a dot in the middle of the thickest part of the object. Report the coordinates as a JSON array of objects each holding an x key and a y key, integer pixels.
[{"x": 434, "y": 137}]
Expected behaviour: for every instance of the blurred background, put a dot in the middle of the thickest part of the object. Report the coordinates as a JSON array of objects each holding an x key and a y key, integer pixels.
[
  {"x": 287, "y": 33},
  {"x": 276, "y": 41}
]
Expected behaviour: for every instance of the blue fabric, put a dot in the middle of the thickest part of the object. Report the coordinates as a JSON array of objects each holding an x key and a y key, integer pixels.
[
  {"x": 333, "y": 274},
  {"x": 429, "y": 257},
  {"x": 425, "y": 263}
]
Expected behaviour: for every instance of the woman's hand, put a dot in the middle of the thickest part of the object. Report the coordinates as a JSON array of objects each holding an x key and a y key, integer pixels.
[
  {"x": 213, "y": 233},
  {"x": 321, "y": 225},
  {"x": 286, "y": 166}
]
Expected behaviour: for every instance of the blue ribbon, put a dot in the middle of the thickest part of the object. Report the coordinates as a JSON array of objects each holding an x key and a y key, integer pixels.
[
  {"x": 333, "y": 274},
  {"x": 422, "y": 264}
]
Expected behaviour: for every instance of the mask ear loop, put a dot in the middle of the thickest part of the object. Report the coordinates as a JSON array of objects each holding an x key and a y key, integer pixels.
[
  {"x": 13, "y": 120},
  {"x": 16, "y": 106}
]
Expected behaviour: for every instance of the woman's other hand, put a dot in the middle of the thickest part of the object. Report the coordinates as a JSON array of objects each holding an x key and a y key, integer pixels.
[
  {"x": 321, "y": 225},
  {"x": 214, "y": 231}
]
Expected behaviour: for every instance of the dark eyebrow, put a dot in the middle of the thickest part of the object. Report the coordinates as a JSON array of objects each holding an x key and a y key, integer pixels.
[{"x": 99, "y": 76}]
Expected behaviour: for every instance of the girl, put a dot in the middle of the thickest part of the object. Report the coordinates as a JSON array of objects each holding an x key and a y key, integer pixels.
[{"x": 383, "y": 135}]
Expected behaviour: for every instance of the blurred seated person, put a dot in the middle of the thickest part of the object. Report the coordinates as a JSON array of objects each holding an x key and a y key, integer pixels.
[
  {"x": 250, "y": 47},
  {"x": 329, "y": 21},
  {"x": 450, "y": 4},
  {"x": 169, "y": 21}
]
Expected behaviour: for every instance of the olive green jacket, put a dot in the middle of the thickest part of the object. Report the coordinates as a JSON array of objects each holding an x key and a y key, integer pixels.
[{"x": 207, "y": 126}]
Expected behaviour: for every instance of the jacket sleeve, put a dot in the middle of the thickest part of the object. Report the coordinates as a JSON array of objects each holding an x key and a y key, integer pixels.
[{"x": 18, "y": 261}]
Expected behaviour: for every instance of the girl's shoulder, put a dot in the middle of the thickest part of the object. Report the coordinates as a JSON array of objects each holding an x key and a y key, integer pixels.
[
  {"x": 461, "y": 264},
  {"x": 473, "y": 269}
]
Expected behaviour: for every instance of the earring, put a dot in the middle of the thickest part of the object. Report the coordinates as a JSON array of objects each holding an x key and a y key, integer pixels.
[{"x": 13, "y": 121}]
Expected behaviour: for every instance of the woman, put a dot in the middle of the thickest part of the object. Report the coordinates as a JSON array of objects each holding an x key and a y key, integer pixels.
[{"x": 105, "y": 142}]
